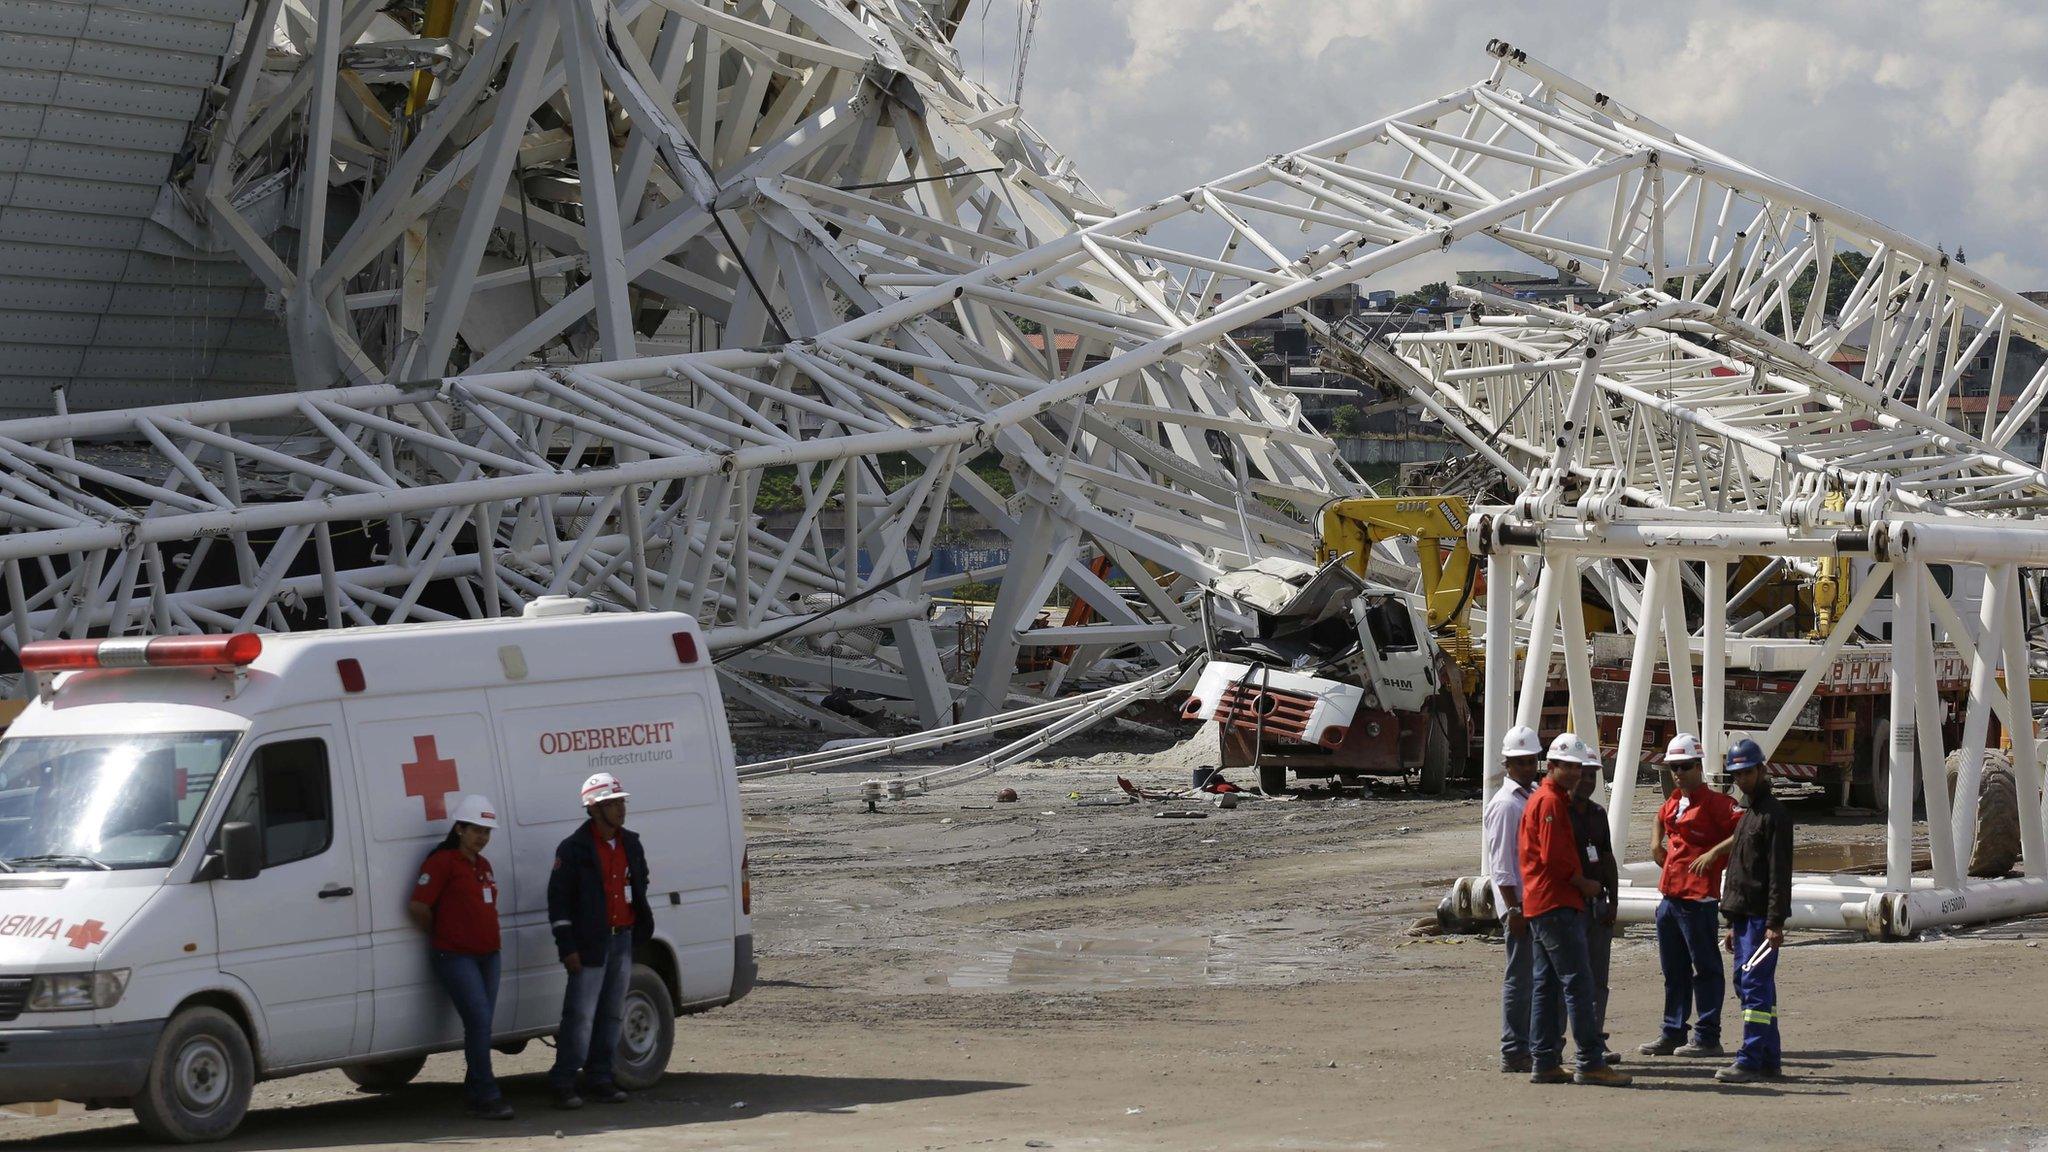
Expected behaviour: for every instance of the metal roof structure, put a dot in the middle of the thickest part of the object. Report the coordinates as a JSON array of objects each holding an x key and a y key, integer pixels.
[{"x": 109, "y": 288}]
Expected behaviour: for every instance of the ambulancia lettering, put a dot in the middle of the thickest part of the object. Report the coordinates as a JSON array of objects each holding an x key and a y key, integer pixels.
[{"x": 32, "y": 927}]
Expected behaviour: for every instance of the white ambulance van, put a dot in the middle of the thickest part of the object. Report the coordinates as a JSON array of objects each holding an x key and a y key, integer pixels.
[{"x": 207, "y": 846}]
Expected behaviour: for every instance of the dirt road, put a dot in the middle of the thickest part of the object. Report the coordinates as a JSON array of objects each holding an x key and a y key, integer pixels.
[{"x": 953, "y": 974}]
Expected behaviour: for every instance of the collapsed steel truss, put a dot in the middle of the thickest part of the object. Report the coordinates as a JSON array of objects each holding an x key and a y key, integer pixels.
[{"x": 568, "y": 204}]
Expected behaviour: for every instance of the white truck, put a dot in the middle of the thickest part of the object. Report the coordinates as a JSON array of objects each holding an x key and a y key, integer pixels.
[{"x": 207, "y": 846}]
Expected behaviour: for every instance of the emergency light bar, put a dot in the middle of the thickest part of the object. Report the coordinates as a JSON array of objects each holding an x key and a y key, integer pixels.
[{"x": 142, "y": 652}]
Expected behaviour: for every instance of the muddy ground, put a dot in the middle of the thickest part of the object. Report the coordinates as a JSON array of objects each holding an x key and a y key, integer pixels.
[{"x": 951, "y": 973}]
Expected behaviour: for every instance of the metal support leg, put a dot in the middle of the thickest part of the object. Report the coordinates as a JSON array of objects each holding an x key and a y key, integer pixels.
[
  {"x": 2026, "y": 769},
  {"x": 1977, "y": 717},
  {"x": 1933, "y": 774},
  {"x": 1628, "y": 749},
  {"x": 1500, "y": 667},
  {"x": 1714, "y": 668},
  {"x": 1908, "y": 617},
  {"x": 1542, "y": 631}
]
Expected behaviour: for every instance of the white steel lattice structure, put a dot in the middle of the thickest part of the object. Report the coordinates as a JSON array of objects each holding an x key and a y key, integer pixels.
[{"x": 569, "y": 205}]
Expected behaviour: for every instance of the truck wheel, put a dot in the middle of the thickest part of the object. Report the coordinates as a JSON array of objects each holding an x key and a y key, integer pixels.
[
  {"x": 647, "y": 1031},
  {"x": 1273, "y": 779},
  {"x": 385, "y": 1075},
  {"x": 1872, "y": 786},
  {"x": 1436, "y": 758},
  {"x": 199, "y": 1080}
]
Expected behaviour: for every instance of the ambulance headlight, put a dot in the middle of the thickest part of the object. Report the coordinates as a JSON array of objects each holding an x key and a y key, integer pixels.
[{"x": 75, "y": 991}]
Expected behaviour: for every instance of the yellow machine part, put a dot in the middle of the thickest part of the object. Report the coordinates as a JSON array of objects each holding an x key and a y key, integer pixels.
[
  {"x": 1351, "y": 527},
  {"x": 439, "y": 20}
]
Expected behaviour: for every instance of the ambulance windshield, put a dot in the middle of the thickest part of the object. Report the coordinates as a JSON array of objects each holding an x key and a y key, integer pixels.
[{"x": 93, "y": 802}]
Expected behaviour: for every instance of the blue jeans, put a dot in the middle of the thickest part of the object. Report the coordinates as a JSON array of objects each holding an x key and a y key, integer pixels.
[
  {"x": 472, "y": 983},
  {"x": 1515, "y": 987},
  {"x": 1758, "y": 991},
  {"x": 1562, "y": 967},
  {"x": 591, "y": 1006},
  {"x": 1689, "y": 947}
]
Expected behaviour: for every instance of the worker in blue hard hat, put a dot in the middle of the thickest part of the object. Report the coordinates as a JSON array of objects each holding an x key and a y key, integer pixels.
[{"x": 1756, "y": 900}]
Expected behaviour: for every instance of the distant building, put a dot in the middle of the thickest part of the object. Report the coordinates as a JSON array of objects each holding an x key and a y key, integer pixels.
[{"x": 1550, "y": 289}]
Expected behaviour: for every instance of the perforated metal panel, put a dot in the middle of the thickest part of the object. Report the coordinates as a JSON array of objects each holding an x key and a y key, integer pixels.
[{"x": 97, "y": 101}]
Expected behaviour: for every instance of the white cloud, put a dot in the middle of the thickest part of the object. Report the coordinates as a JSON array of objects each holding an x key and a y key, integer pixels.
[{"x": 1925, "y": 116}]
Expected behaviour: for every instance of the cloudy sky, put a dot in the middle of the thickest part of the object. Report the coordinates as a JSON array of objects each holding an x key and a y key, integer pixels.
[{"x": 1929, "y": 116}]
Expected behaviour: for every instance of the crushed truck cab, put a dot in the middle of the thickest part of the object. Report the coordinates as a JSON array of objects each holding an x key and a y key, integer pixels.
[{"x": 210, "y": 842}]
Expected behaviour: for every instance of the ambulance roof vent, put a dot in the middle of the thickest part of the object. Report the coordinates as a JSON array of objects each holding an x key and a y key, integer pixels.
[{"x": 549, "y": 606}]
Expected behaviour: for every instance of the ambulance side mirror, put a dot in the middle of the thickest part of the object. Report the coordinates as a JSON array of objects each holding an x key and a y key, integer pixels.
[{"x": 240, "y": 851}]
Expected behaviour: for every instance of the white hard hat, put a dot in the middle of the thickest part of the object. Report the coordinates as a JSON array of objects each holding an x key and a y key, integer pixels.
[
  {"x": 1521, "y": 741},
  {"x": 1565, "y": 746},
  {"x": 477, "y": 810},
  {"x": 1588, "y": 755},
  {"x": 1684, "y": 748},
  {"x": 602, "y": 787}
]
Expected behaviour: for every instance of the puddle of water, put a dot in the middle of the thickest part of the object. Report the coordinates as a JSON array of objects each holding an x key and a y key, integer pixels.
[
  {"x": 1847, "y": 859},
  {"x": 1076, "y": 961}
]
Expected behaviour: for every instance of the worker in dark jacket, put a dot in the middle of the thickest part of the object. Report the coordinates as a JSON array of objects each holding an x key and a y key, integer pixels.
[
  {"x": 1756, "y": 899},
  {"x": 597, "y": 906},
  {"x": 1596, "y": 848}
]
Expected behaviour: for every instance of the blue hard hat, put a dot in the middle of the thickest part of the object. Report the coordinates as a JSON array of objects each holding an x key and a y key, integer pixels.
[{"x": 1745, "y": 753}]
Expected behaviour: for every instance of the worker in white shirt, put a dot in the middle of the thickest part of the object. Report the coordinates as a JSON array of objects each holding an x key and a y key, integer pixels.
[{"x": 1522, "y": 756}]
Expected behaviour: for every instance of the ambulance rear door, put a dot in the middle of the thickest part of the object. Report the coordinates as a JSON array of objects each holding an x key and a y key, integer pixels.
[
  {"x": 654, "y": 733},
  {"x": 417, "y": 757}
]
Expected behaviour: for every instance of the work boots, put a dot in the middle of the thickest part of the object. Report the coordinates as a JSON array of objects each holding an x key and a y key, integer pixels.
[
  {"x": 1698, "y": 1049},
  {"x": 1662, "y": 1046},
  {"x": 1602, "y": 1076}
]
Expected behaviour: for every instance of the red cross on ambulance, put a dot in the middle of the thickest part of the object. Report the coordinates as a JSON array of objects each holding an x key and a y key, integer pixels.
[
  {"x": 83, "y": 936},
  {"x": 430, "y": 777}
]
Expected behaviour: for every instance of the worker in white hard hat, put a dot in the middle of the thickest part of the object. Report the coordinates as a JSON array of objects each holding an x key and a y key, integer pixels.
[
  {"x": 597, "y": 906},
  {"x": 1695, "y": 829},
  {"x": 1556, "y": 891},
  {"x": 456, "y": 903},
  {"x": 1522, "y": 758}
]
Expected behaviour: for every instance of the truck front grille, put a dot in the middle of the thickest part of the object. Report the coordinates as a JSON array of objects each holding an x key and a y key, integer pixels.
[
  {"x": 1285, "y": 714},
  {"x": 13, "y": 996}
]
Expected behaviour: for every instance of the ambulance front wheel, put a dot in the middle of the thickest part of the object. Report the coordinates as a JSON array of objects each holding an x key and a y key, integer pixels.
[
  {"x": 647, "y": 1031},
  {"x": 199, "y": 1081}
]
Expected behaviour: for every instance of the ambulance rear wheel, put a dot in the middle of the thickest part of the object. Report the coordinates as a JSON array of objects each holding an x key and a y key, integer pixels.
[
  {"x": 199, "y": 1081},
  {"x": 385, "y": 1075},
  {"x": 647, "y": 1031}
]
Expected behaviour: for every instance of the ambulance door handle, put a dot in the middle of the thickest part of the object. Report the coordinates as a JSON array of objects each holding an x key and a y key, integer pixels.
[{"x": 332, "y": 892}]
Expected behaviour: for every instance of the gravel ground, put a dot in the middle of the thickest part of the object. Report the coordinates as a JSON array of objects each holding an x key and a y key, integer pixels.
[{"x": 1071, "y": 972}]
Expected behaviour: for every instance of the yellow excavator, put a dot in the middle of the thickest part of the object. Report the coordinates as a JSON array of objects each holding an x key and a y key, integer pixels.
[{"x": 1450, "y": 576}]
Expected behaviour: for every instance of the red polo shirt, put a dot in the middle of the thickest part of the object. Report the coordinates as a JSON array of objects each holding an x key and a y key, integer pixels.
[
  {"x": 618, "y": 895},
  {"x": 1710, "y": 817},
  {"x": 464, "y": 897},
  {"x": 1550, "y": 853}
]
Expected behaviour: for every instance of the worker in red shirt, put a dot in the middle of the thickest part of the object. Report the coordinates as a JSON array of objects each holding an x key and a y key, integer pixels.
[
  {"x": 597, "y": 906},
  {"x": 1555, "y": 893},
  {"x": 456, "y": 904},
  {"x": 1695, "y": 830}
]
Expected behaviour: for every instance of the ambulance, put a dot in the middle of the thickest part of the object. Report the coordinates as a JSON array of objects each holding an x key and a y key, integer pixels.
[{"x": 207, "y": 846}]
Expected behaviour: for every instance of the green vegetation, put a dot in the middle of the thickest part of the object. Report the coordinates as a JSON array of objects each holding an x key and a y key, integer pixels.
[
  {"x": 780, "y": 492},
  {"x": 1346, "y": 420},
  {"x": 1423, "y": 297}
]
